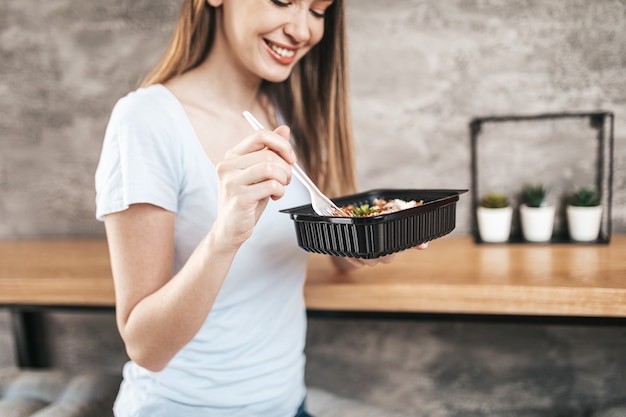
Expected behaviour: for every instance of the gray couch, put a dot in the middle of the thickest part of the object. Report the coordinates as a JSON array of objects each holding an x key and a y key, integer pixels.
[{"x": 58, "y": 393}]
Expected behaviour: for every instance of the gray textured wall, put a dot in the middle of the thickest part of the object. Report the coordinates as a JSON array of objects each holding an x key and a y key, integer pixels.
[{"x": 420, "y": 70}]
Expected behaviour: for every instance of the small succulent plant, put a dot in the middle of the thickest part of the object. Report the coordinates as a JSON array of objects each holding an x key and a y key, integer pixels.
[
  {"x": 584, "y": 197},
  {"x": 495, "y": 200},
  {"x": 534, "y": 195}
]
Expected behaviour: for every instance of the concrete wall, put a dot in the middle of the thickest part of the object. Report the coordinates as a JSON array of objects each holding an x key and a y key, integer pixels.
[{"x": 420, "y": 71}]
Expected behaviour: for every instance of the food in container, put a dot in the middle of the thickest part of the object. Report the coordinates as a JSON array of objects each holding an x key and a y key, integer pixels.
[
  {"x": 373, "y": 236},
  {"x": 379, "y": 206}
]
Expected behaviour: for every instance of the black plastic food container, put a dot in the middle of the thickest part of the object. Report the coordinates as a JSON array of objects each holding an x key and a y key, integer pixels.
[{"x": 372, "y": 237}]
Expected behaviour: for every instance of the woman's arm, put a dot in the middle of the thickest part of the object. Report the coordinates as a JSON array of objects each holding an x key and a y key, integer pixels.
[{"x": 157, "y": 313}]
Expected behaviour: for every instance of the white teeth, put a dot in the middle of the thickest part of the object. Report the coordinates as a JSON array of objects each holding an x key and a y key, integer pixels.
[{"x": 285, "y": 53}]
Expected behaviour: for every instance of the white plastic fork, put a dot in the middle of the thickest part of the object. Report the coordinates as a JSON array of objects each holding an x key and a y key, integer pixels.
[{"x": 322, "y": 205}]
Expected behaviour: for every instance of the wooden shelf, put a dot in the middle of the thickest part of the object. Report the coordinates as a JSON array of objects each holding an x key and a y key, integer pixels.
[
  {"x": 61, "y": 272},
  {"x": 454, "y": 275}
]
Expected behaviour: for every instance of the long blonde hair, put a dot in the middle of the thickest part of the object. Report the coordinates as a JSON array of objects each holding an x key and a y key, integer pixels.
[{"x": 314, "y": 100}]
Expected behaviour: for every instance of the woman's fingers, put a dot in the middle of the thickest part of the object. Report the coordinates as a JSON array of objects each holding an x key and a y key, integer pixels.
[
  {"x": 359, "y": 262},
  {"x": 259, "y": 167},
  {"x": 387, "y": 259},
  {"x": 283, "y": 131},
  {"x": 277, "y": 141},
  {"x": 263, "y": 163}
]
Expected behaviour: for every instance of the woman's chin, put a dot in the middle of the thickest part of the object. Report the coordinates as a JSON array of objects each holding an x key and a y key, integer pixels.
[
  {"x": 276, "y": 73},
  {"x": 277, "y": 78}
]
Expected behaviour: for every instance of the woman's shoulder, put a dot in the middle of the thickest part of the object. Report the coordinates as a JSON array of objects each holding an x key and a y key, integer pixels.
[
  {"x": 147, "y": 116},
  {"x": 144, "y": 99},
  {"x": 151, "y": 104}
]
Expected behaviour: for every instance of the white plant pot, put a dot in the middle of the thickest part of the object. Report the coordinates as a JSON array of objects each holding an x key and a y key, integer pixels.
[
  {"x": 537, "y": 222},
  {"x": 494, "y": 225},
  {"x": 583, "y": 223}
]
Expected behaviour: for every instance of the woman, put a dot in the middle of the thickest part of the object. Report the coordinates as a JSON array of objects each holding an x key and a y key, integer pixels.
[{"x": 208, "y": 275}]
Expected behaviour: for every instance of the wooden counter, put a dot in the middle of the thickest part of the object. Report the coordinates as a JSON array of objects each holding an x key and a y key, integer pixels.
[
  {"x": 56, "y": 272},
  {"x": 454, "y": 275}
]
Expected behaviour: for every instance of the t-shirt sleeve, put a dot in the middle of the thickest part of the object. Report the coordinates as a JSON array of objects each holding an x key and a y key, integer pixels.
[{"x": 140, "y": 159}]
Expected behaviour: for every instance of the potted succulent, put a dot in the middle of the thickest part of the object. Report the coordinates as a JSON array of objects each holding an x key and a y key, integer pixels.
[
  {"x": 536, "y": 215},
  {"x": 584, "y": 215},
  {"x": 494, "y": 214}
]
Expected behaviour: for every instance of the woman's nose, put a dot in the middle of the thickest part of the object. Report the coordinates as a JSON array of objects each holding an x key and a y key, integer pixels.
[{"x": 298, "y": 28}]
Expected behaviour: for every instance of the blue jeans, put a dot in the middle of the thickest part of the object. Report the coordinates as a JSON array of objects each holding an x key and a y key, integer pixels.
[{"x": 302, "y": 411}]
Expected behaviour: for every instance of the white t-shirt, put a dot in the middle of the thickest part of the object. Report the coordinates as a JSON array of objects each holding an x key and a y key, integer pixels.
[{"x": 248, "y": 357}]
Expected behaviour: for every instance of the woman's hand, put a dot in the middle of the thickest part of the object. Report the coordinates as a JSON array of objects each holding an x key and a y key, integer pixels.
[
  {"x": 255, "y": 170},
  {"x": 346, "y": 264}
]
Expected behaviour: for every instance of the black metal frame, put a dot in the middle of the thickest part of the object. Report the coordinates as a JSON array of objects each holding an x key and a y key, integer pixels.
[
  {"x": 467, "y": 317},
  {"x": 29, "y": 331},
  {"x": 31, "y": 346},
  {"x": 597, "y": 121}
]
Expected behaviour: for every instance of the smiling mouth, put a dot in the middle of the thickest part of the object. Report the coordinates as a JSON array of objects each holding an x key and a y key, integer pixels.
[{"x": 282, "y": 52}]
